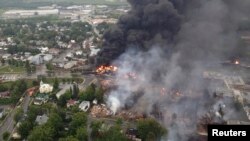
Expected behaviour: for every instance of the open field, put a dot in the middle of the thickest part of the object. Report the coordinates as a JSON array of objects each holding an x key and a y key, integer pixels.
[{"x": 11, "y": 70}]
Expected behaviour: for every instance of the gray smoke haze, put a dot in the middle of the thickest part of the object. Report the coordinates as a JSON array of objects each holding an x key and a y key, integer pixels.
[{"x": 167, "y": 45}]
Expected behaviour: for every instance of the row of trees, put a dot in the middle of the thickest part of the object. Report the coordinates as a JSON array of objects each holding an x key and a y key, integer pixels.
[
  {"x": 92, "y": 92},
  {"x": 22, "y": 49},
  {"x": 19, "y": 63},
  {"x": 16, "y": 89}
]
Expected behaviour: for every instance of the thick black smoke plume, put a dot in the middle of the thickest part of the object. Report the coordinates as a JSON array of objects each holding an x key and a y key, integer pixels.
[
  {"x": 158, "y": 22},
  {"x": 149, "y": 22}
]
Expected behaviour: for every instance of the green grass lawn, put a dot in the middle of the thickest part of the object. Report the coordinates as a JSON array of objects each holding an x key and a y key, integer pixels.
[{"x": 11, "y": 70}]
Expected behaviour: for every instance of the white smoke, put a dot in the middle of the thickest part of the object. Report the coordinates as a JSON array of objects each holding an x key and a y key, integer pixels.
[{"x": 114, "y": 103}]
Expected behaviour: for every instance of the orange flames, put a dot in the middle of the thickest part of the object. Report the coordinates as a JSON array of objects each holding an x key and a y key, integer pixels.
[{"x": 106, "y": 69}]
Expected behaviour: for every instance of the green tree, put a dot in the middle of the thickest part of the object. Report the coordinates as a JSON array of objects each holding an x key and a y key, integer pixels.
[
  {"x": 82, "y": 134},
  {"x": 49, "y": 66},
  {"x": 151, "y": 137},
  {"x": 63, "y": 80},
  {"x": 42, "y": 133},
  {"x": 119, "y": 121},
  {"x": 63, "y": 99},
  {"x": 56, "y": 84},
  {"x": 150, "y": 128},
  {"x": 113, "y": 134},
  {"x": 75, "y": 90},
  {"x": 70, "y": 90},
  {"x": 2, "y": 61},
  {"x": 28, "y": 67},
  {"x": 25, "y": 128},
  {"x": 9, "y": 62},
  {"x": 19, "y": 86},
  {"x": 95, "y": 126},
  {"x": 55, "y": 122},
  {"x": 18, "y": 115},
  {"x": 99, "y": 93},
  {"x": 88, "y": 94},
  {"x": 33, "y": 112},
  {"x": 6, "y": 136},
  {"x": 33, "y": 68},
  {"x": 69, "y": 138},
  {"x": 78, "y": 120},
  {"x": 3, "y": 88},
  {"x": 21, "y": 63},
  {"x": 35, "y": 83}
]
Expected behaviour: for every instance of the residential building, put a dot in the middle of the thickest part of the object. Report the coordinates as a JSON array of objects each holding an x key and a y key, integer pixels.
[
  {"x": 45, "y": 88},
  {"x": 84, "y": 106},
  {"x": 41, "y": 99},
  {"x": 42, "y": 119},
  {"x": 71, "y": 102}
]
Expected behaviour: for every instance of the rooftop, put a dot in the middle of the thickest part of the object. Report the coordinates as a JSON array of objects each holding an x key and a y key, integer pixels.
[{"x": 42, "y": 119}]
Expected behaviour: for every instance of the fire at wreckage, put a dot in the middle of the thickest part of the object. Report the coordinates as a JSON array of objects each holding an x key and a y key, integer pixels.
[{"x": 229, "y": 90}]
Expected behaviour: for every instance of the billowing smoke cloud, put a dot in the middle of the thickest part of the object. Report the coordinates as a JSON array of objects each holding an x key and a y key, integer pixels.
[
  {"x": 162, "y": 48},
  {"x": 149, "y": 22}
]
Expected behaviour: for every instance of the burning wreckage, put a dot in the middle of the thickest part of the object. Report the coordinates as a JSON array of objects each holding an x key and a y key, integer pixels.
[{"x": 162, "y": 48}]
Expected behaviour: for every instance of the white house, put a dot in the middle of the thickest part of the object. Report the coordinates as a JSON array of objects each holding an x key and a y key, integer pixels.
[
  {"x": 45, "y": 88},
  {"x": 44, "y": 49},
  {"x": 42, "y": 119},
  {"x": 84, "y": 106}
]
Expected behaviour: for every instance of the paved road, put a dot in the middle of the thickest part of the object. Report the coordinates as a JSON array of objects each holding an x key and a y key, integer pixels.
[
  {"x": 88, "y": 79},
  {"x": 9, "y": 123},
  {"x": 63, "y": 88}
]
